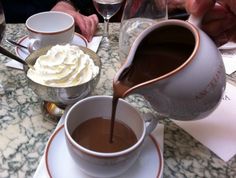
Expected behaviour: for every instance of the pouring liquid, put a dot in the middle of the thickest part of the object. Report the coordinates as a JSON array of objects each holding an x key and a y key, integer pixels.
[{"x": 152, "y": 59}]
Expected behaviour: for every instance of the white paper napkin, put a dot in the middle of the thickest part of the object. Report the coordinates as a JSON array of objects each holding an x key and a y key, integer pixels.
[
  {"x": 93, "y": 45},
  {"x": 229, "y": 62},
  {"x": 218, "y": 130},
  {"x": 41, "y": 171}
]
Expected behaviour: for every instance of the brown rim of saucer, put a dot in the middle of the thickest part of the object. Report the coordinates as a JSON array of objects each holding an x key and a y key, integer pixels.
[
  {"x": 156, "y": 144},
  {"x": 26, "y": 36}
]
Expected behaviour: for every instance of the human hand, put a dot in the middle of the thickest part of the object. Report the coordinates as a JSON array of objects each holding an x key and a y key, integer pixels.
[
  {"x": 218, "y": 18},
  {"x": 87, "y": 24}
]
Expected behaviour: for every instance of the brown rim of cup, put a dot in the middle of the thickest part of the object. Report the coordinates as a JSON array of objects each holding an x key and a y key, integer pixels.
[{"x": 50, "y": 33}]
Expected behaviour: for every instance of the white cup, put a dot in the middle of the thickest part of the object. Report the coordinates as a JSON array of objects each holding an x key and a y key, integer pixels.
[
  {"x": 49, "y": 28},
  {"x": 100, "y": 164}
]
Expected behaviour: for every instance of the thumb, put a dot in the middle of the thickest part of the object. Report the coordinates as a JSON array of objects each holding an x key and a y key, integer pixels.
[{"x": 199, "y": 7}]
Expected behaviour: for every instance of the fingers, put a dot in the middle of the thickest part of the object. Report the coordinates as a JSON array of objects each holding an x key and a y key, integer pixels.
[
  {"x": 87, "y": 25},
  {"x": 199, "y": 7},
  {"x": 229, "y": 4},
  {"x": 217, "y": 12},
  {"x": 94, "y": 24},
  {"x": 224, "y": 37},
  {"x": 63, "y": 6},
  {"x": 217, "y": 21},
  {"x": 218, "y": 18}
]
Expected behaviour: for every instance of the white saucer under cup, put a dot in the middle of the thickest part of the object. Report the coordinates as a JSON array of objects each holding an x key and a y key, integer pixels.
[{"x": 148, "y": 165}]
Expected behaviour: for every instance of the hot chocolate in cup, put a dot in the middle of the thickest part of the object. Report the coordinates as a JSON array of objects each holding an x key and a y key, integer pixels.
[
  {"x": 49, "y": 28},
  {"x": 97, "y": 156}
]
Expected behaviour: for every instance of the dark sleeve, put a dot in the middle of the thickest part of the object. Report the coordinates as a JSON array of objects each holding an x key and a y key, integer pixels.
[
  {"x": 84, "y": 6},
  {"x": 17, "y": 11}
]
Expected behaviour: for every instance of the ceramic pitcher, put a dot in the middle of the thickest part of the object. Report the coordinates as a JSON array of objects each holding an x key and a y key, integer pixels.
[{"x": 189, "y": 91}]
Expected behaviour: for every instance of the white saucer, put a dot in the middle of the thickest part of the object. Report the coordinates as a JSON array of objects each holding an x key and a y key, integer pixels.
[
  {"x": 228, "y": 46},
  {"x": 60, "y": 164},
  {"x": 23, "y": 53}
]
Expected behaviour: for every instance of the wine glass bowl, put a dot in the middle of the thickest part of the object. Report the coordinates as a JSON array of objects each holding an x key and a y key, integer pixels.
[
  {"x": 2, "y": 31},
  {"x": 136, "y": 17},
  {"x": 2, "y": 22},
  {"x": 107, "y": 9}
]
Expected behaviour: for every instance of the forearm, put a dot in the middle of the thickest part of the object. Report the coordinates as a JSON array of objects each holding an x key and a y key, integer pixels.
[
  {"x": 62, "y": 4},
  {"x": 87, "y": 24}
]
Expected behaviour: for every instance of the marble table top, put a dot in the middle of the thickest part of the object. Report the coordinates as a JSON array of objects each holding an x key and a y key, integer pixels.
[{"x": 25, "y": 128}]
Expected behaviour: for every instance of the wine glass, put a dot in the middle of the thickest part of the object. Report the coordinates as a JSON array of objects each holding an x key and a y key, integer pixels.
[
  {"x": 136, "y": 17},
  {"x": 2, "y": 22},
  {"x": 2, "y": 30},
  {"x": 107, "y": 8}
]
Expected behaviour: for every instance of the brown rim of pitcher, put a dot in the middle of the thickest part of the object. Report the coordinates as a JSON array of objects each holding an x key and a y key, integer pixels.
[{"x": 143, "y": 34}]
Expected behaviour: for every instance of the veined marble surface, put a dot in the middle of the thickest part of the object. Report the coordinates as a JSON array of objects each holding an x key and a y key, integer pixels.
[{"x": 25, "y": 129}]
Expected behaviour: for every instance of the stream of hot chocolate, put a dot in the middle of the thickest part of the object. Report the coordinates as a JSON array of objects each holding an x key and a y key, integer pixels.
[
  {"x": 118, "y": 91},
  {"x": 149, "y": 63}
]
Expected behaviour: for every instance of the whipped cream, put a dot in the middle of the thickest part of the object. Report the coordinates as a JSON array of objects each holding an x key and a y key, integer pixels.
[{"x": 63, "y": 66}]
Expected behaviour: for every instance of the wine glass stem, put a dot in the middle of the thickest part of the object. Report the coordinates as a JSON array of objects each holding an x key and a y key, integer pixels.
[{"x": 106, "y": 27}]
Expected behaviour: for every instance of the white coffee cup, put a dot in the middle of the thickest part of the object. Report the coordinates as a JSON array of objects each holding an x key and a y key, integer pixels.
[
  {"x": 100, "y": 164},
  {"x": 49, "y": 28}
]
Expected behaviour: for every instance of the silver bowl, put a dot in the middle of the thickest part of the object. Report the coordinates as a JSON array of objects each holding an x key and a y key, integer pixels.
[{"x": 63, "y": 96}]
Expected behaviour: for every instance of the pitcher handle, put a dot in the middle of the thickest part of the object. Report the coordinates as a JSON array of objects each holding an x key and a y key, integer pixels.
[
  {"x": 151, "y": 122},
  {"x": 195, "y": 20},
  {"x": 33, "y": 44}
]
